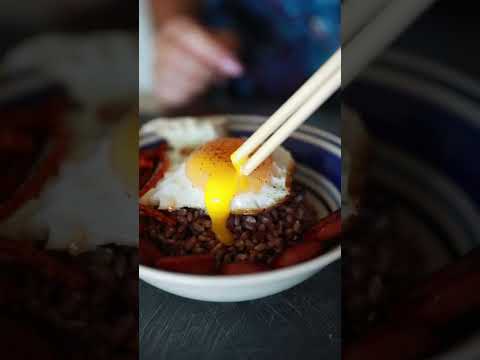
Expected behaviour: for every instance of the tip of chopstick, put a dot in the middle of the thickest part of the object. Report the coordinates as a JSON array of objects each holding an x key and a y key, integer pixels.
[{"x": 238, "y": 162}]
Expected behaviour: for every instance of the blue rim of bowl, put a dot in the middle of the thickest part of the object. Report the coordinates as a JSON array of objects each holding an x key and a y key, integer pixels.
[
  {"x": 329, "y": 143},
  {"x": 443, "y": 77},
  {"x": 448, "y": 101},
  {"x": 439, "y": 87},
  {"x": 406, "y": 167},
  {"x": 310, "y": 169}
]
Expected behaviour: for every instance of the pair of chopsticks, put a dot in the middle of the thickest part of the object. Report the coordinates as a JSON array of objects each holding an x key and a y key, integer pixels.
[
  {"x": 297, "y": 109},
  {"x": 368, "y": 27}
]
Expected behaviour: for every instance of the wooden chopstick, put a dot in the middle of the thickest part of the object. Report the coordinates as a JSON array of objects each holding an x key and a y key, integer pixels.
[
  {"x": 357, "y": 14},
  {"x": 304, "y": 112},
  {"x": 380, "y": 32},
  {"x": 373, "y": 36},
  {"x": 288, "y": 108},
  {"x": 308, "y": 90}
]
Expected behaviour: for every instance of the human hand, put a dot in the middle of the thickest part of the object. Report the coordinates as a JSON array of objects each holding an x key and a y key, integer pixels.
[{"x": 189, "y": 59}]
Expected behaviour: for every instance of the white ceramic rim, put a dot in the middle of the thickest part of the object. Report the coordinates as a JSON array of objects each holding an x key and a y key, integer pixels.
[
  {"x": 440, "y": 184},
  {"x": 264, "y": 277},
  {"x": 389, "y": 72},
  {"x": 436, "y": 93}
]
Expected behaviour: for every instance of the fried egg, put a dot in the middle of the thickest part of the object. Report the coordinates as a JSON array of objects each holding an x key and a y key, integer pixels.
[
  {"x": 92, "y": 200},
  {"x": 183, "y": 135},
  {"x": 209, "y": 181}
]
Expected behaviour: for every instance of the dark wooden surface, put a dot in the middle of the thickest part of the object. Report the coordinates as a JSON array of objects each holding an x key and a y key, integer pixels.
[{"x": 301, "y": 323}]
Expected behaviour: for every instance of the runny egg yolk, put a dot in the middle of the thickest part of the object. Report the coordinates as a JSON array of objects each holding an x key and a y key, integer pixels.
[{"x": 211, "y": 169}]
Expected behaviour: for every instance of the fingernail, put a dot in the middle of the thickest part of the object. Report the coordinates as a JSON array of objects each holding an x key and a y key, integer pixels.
[{"x": 232, "y": 67}]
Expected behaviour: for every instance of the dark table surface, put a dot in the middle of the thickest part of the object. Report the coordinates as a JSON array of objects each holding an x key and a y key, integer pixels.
[{"x": 303, "y": 323}]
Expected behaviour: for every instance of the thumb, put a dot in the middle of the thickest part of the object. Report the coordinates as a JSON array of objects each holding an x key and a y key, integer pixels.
[{"x": 228, "y": 62}]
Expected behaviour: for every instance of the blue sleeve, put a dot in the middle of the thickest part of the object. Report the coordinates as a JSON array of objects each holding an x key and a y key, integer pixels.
[{"x": 219, "y": 14}]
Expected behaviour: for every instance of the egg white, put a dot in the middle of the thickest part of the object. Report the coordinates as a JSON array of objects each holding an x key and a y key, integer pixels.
[
  {"x": 89, "y": 204},
  {"x": 92, "y": 201},
  {"x": 176, "y": 191},
  {"x": 184, "y": 135}
]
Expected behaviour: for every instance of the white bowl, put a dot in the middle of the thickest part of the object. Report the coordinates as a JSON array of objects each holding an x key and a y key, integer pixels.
[
  {"x": 324, "y": 190},
  {"x": 239, "y": 287}
]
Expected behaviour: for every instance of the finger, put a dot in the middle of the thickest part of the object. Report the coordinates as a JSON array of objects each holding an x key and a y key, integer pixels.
[
  {"x": 169, "y": 93},
  {"x": 178, "y": 79},
  {"x": 176, "y": 60},
  {"x": 174, "y": 91},
  {"x": 203, "y": 45}
]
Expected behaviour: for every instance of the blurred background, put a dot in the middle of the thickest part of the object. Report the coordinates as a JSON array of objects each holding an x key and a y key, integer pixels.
[
  {"x": 68, "y": 151},
  {"x": 200, "y": 57},
  {"x": 416, "y": 235}
]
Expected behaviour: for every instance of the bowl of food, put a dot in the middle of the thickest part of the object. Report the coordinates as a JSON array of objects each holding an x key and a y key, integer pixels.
[
  {"x": 415, "y": 211},
  {"x": 66, "y": 275},
  {"x": 204, "y": 238},
  {"x": 31, "y": 150}
]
